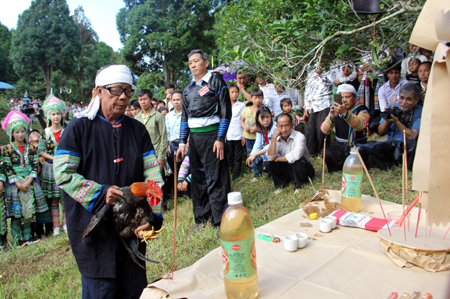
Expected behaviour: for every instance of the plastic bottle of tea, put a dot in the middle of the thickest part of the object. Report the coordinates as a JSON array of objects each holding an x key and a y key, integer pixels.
[
  {"x": 238, "y": 250},
  {"x": 352, "y": 175}
]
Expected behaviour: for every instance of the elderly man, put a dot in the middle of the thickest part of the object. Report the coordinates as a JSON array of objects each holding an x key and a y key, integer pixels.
[
  {"x": 205, "y": 120},
  {"x": 287, "y": 156},
  {"x": 350, "y": 119},
  {"x": 386, "y": 154},
  {"x": 99, "y": 152}
]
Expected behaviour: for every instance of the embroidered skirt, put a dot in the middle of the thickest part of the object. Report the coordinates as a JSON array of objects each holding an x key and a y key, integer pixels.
[
  {"x": 25, "y": 205},
  {"x": 48, "y": 184}
]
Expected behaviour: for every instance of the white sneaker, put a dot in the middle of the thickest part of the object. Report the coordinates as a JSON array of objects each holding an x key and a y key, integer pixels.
[
  {"x": 56, "y": 231},
  {"x": 65, "y": 227}
]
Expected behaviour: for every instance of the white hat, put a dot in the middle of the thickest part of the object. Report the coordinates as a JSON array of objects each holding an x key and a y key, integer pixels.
[{"x": 346, "y": 88}]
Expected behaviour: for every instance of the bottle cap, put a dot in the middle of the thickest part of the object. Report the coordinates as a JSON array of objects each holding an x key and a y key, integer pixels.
[
  {"x": 234, "y": 198},
  {"x": 353, "y": 151},
  {"x": 313, "y": 216}
]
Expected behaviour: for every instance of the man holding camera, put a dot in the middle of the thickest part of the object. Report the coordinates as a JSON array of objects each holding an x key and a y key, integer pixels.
[
  {"x": 402, "y": 116},
  {"x": 350, "y": 118}
]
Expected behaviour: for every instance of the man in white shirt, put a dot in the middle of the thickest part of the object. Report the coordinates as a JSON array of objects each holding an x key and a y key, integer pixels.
[
  {"x": 268, "y": 89},
  {"x": 388, "y": 92},
  {"x": 274, "y": 101},
  {"x": 295, "y": 96},
  {"x": 173, "y": 120},
  {"x": 287, "y": 156}
]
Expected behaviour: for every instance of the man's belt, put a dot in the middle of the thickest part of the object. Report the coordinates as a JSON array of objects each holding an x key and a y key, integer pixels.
[{"x": 205, "y": 129}]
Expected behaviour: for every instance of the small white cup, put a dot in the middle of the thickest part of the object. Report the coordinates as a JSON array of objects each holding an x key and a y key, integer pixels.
[
  {"x": 333, "y": 221},
  {"x": 290, "y": 243},
  {"x": 325, "y": 225},
  {"x": 302, "y": 237}
]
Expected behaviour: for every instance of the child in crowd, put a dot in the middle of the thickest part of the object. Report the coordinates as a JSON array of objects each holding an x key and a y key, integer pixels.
[
  {"x": 235, "y": 141},
  {"x": 23, "y": 194},
  {"x": 3, "y": 223},
  {"x": 265, "y": 125},
  {"x": 248, "y": 118},
  {"x": 163, "y": 111},
  {"x": 45, "y": 218},
  {"x": 47, "y": 146},
  {"x": 135, "y": 108},
  {"x": 127, "y": 111},
  {"x": 413, "y": 67},
  {"x": 286, "y": 107},
  {"x": 33, "y": 138},
  {"x": 160, "y": 105}
]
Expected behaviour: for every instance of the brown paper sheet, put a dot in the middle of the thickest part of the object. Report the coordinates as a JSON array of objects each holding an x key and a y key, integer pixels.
[
  {"x": 439, "y": 186},
  {"x": 424, "y": 33},
  {"x": 346, "y": 263}
]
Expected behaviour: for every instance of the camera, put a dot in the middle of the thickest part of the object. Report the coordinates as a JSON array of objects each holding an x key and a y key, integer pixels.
[{"x": 395, "y": 111}]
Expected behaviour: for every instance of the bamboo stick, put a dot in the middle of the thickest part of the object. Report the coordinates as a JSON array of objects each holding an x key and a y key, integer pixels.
[
  {"x": 175, "y": 189},
  {"x": 323, "y": 166}
]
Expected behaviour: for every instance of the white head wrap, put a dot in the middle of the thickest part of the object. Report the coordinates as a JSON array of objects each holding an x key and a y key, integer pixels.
[
  {"x": 107, "y": 75},
  {"x": 346, "y": 88}
]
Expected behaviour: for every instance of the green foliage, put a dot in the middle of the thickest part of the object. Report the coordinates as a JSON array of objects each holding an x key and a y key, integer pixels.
[
  {"x": 47, "y": 39},
  {"x": 158, "y": 34},
  {"x": 7, "y": 73},
  {"x": 4, "y": 105},
  {"x": 302, "y": 34}
]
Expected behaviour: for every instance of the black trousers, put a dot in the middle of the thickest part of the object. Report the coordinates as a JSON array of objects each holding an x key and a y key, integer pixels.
[
  {"x": 210, "y": 178},
  {"x": 335, "y": 156},
  {"x": 129, "y": 283},
  {"x": 383, "y": 153},
  {"x": 283, "y": 172},
  {"x": 314, "y": 136},
  {"x": 234, "y": 148}
]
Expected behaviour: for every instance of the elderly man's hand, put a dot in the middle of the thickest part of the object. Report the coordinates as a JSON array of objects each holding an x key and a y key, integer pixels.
[
  {"x": 112, "y": 195},
  {"x": 339, "y": 109},
  {"x": 181, "y": 152},
  {"x": 393, "y": 119},
  {"x": 140, "y": 228},
  {"x": 218, "y": 149}
]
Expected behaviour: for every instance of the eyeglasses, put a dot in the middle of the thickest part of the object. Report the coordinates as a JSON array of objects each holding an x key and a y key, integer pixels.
[{"x": 117, "y": 91}]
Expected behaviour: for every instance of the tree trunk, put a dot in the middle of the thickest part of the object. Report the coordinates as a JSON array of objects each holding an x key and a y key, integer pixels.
[{"x": 48, "y": 72}]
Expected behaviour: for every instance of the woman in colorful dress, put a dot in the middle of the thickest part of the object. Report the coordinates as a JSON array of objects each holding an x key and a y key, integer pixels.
[
  {"x": 23, "y": 195},
  {"x": 54, "y": 109},
  {"x": 3, "y": 223}
]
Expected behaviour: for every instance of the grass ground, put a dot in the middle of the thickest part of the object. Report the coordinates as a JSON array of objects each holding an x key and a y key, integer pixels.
[{"x": 48, "y": 269}]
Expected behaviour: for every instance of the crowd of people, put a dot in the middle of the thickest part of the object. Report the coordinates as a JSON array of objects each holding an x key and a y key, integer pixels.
[{"x": 201, "y": 134}]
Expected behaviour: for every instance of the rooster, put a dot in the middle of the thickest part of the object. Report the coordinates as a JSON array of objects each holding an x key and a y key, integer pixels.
[{"x": 131, "y": 211}]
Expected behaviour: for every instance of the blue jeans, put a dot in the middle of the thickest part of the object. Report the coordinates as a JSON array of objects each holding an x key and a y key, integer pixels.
[
  {"x": 258, "y": 166},
  {"x": 249, "y": 143}
]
